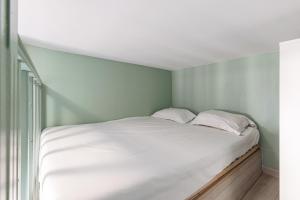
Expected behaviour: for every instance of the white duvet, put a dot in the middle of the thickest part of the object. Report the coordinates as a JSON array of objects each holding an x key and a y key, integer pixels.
[{"x": 139, "y": 158}]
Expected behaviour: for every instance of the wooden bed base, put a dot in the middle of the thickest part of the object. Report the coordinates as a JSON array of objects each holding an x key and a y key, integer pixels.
[{"x": 235, "y": 180}]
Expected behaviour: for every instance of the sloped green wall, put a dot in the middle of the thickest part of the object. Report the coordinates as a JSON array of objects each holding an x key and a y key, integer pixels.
[{"x": 80, "y": 89}]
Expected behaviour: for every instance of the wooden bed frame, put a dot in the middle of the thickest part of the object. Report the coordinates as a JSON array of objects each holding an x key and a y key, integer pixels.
[{"x": 235, "y": 180}]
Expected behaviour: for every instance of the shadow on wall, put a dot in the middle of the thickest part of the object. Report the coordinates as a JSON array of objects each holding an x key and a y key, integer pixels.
[{"x": 62, "y": 109}]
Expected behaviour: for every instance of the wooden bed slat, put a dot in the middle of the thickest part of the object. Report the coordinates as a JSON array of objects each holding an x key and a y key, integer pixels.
[{"x": 235, "y": 180}]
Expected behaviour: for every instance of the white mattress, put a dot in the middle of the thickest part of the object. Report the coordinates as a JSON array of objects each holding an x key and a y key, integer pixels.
[{"x": 137, "y": 158}]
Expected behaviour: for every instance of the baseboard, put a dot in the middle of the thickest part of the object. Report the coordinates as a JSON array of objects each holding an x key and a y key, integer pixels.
[{"x": 271, "y": 172}]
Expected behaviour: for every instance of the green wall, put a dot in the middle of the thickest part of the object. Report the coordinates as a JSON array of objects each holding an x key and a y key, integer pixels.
[
  {"x": 247, "y": 85},
  {"x": 81, "y": 89}
]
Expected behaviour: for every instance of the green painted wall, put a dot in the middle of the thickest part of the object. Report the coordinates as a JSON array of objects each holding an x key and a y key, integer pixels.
[
  {"x": 80, "y": 89},
  {"x": 247, "y": 85}
]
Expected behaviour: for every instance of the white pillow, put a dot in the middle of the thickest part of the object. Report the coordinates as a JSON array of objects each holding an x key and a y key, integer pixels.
[
  {"x": 175, "y": 114},
  {"x": 230, "y": 122}
]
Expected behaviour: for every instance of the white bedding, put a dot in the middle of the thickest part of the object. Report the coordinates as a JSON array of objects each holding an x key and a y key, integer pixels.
[{"x": 137, "y": 158}]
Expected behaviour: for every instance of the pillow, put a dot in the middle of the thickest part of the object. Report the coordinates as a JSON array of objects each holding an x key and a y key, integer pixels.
[
  {"x": 175, "y": 114},
  {"x": 230, "y": 122}
]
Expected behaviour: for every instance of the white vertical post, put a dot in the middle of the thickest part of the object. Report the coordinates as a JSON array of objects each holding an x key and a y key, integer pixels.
[
  {"x": 289, "y": 119},
  {"x": 23, "y": 160},
  {"x": 30, "y": 136},
  {"x": 36, "y": 139}
]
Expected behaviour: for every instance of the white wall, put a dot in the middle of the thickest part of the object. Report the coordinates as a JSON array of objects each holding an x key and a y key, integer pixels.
[{"x": 290, "y": 119}]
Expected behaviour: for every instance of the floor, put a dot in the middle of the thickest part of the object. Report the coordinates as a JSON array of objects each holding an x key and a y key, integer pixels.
[{"x": 266, "y": 188}]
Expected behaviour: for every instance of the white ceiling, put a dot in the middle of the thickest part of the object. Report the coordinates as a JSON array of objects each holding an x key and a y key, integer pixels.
[{"x": 169, "y": 34}]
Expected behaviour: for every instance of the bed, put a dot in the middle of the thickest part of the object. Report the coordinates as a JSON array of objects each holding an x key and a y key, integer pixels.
[{"x": 141, "y": 158}]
